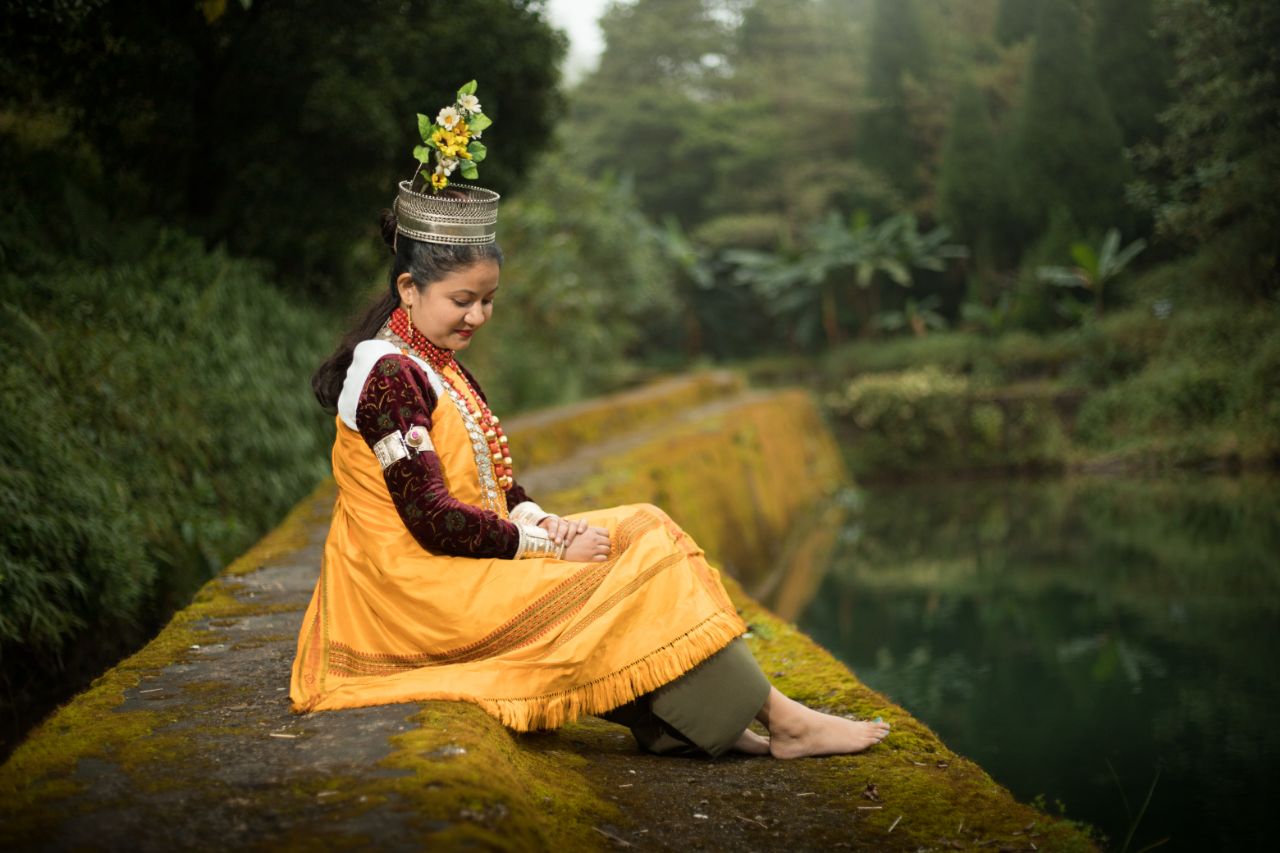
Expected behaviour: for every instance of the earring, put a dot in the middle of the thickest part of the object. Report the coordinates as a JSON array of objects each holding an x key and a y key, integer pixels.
[{"x": 408, "y": 312}]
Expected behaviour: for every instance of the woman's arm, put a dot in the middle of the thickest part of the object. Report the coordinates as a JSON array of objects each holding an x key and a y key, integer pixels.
[{"x": 397, "y": 396}]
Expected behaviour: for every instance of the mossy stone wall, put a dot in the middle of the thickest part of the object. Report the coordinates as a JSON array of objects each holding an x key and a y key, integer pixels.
[{"x": 740, "y": 467}]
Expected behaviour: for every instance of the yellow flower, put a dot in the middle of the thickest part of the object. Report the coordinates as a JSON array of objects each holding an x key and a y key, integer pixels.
[
  {"x": 461, "y": 129},
  {"x": 439, "y": 181}
]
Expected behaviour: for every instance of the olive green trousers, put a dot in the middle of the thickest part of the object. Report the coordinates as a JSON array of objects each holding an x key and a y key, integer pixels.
[{"x": 702, "y": 711}]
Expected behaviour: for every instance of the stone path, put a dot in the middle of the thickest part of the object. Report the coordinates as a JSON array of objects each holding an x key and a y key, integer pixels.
[{"x": 190, "y": 744}]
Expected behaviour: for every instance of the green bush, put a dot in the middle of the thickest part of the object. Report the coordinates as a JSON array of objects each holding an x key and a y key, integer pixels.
[
  {"x": 1164, "y": 401},
  {"x": 923, "y": 420},
  {"x": 156, "y": 419},
  {"x": 1259, "y": 383}
]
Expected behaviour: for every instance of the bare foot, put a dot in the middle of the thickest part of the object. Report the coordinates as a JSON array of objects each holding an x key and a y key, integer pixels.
[
  {"x": 751, "y": 743},
  {"x": 796, "y": 731}
]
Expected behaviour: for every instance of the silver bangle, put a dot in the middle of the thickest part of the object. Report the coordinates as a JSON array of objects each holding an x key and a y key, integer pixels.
[
  {"x": 536, "y": 542},
  {"x": 528, "y": 512}
]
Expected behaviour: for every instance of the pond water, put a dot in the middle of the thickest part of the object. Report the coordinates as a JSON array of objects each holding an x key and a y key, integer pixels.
[{"x": 1078, "y": 637}]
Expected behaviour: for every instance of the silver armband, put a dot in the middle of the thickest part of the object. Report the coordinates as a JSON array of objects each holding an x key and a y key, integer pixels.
[
  {"x": 390, "y": 449},
  {"x": 536, "y": 542},
  {"x": 397, "y": 445},
  {"x": 528, "y": 512}
]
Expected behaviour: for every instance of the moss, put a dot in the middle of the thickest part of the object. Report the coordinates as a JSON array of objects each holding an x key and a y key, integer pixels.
[
  {"x": 291, "y": 534},
  {"x": 546, "y": 437},
  {"x": 915, "y": 774},
  {"x": 39, "y": 775},
  {"x": 737, "y": 477}
]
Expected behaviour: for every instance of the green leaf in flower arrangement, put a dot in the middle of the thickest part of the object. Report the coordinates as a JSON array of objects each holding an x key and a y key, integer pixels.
[
  {"x": 425, "y": 127},
  {"x": 468, "y": 170},
  {"x": 479, "y": 122},
  {"x": 477, "y": 151},
  {"x": 467, "y": 89},
  {"x": 421, "y": 153}
]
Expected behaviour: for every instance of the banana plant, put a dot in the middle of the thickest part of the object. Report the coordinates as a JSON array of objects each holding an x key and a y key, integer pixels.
[
  {"x": 1094, "y": 269},
  {"x": 843, "y": 254},
  {"x": 919, "y": 317}
]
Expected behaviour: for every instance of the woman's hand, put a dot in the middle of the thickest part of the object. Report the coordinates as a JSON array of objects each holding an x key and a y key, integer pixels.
[
  {"x": 562, "y": 529},
  {"x": 583, "y": 543},
  {"x": 590, "y": 545}
]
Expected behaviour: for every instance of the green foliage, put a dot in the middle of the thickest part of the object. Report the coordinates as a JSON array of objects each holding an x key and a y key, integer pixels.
[
  {"x": 1133, "y": 67},
  {"x": 1167, "y": 381},
  {"x": 916, "y": 316},
  {"x": 277, "y": 129},
  {"x": 1068, "y": 146},
  {"x": 974, "y": 192},
  {"x": 1016, "y": 20},
  {"x": 1094, "y": 269},
  {"x": 1212, "y": 178},
  {"x": 1037, "y": 308},
  {"x": 156, "y": 419},
  {"x": 838, "y": 256},
  {"x": 898, "y": 55},
  {"x": 925, "y": 419},
  {"x": 452, "y": 141},
  {"x": 585, "y": 280}
]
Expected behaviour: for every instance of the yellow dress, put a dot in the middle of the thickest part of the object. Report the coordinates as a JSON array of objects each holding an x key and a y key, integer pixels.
[{"x": 535, "y": 642}]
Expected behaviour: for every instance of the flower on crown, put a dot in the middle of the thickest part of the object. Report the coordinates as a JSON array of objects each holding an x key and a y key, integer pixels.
[{"x": 452, "y": 140}]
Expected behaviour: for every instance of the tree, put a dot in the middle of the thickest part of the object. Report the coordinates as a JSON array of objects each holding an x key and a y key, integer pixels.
[
  {"x": 279, "y": 128},
  {"x": 1068, "y": 146},
  {"x": 1211, "y": 180},
  {"x": 1133, "y": 67},
  {"x": 897, "y": 54},
  {"x": 1016, "y": 20},
  {"x": 844, "y": 255},
  {"x": 974, "y": 193}
]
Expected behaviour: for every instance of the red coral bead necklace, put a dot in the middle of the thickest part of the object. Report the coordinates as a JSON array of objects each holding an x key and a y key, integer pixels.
[{"x": 440, "y": 358}]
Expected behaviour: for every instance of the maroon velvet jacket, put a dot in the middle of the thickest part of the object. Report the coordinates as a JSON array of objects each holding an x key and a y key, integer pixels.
[{"x": 397, "y": 396}]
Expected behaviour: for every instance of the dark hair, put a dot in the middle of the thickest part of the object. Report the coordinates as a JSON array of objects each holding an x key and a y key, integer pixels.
[{"x": 426, "y": 262}]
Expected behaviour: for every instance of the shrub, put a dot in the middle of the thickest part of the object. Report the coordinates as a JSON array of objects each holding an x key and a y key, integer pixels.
[
  {"x": 925, "y": 419},
  {"x": 156, "y": 419}
]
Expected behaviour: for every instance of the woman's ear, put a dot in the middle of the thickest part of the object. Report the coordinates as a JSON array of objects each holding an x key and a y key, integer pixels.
[{"x": 406, "y": 287}]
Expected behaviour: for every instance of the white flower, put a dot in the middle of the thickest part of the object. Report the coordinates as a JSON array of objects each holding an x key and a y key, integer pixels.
[
  {"x": 448, "y": 164},
  {"x": 448, "y": 118},
  {"x": 441, "y": 170},
  {"x": 469, "y": 103},
  {"x": 477, "y": 134}
]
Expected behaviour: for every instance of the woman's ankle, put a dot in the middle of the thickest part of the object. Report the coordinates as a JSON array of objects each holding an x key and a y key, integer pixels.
[{"x": 782, "y": 715}]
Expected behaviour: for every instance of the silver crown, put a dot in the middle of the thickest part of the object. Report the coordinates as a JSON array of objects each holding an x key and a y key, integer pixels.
[{"x": 442, "y": 219}]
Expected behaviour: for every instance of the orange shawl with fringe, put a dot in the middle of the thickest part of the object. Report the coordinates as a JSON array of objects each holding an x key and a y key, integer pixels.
[{"x": 534, "y": 642}]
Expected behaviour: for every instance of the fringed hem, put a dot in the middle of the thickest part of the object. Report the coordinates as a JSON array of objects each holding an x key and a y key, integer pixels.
[
  {"x": 661, "y": 666},
  {"x": 552, "y": 710}
]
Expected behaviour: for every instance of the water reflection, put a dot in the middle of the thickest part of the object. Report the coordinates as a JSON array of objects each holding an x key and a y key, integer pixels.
[{"x": 1045, "y": 629}]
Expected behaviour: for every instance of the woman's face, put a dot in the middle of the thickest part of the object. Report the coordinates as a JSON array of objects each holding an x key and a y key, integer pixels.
[{"x": 448, "y": 311}]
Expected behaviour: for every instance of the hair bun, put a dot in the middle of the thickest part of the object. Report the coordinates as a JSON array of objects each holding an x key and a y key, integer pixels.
[{"x": 387, "y": 222}]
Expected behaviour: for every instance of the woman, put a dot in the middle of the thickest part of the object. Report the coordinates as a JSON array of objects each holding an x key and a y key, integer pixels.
[{"x": 442, "y": 579}]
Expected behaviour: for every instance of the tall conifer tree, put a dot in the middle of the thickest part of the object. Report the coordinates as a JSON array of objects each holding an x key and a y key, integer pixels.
[
  {"x": 1016, "y": 20},
  {"x": 973, "y": 187},
  {"x": 1133, "y": 67},
  {"x": 897, "y": 51},
  {"x": 1068, "y": 146}
]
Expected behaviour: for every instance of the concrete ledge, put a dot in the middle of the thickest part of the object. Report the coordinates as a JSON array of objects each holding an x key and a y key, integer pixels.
[{"x": 189, "y": 743}]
